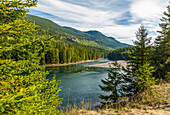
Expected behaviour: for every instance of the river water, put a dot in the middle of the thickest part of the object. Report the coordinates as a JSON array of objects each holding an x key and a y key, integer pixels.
[{"x": 80, "y": 82}]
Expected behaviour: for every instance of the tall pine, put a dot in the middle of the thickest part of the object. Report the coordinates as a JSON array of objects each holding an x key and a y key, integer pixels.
[{"x": 140, "y": 52}]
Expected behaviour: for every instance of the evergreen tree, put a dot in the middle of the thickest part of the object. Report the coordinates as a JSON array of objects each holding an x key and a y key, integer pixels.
[
  {"x": 162, "y": 52},
  {"x": 24, "y": 88},
  {"x": 144, "y": 77},
  {"x": 140, "y": 52},
  {"x": 111, "y": 85},
  {"x": 69, "y": 55},
  {"x": 57, "y": 56},
  {"x": 87, "y": 56},
  {"x": 140, "y": 60},
  {"x": 116, "y": 83}
]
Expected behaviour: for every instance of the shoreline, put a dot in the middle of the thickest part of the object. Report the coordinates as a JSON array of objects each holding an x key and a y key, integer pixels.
[
  {"x": 109, "y": 65},
  {"x": 100, "y": 65},
  {"x": 67, "y": 64}
]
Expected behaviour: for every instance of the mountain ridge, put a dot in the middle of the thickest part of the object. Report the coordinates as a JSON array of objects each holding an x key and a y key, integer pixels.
[{"x": 97, "y": 39}]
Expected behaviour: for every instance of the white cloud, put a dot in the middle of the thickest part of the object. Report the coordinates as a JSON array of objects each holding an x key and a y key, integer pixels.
[
  {"x": 146, "y": 9},
  {"x": 100, "y": 15},
  {"x": 74, "y": 12}
]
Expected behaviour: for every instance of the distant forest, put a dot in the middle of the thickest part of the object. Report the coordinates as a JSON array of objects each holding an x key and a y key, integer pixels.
[{"x": 120, "y": 54}]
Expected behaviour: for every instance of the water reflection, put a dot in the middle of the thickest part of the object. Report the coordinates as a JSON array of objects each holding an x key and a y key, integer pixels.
[{"x": 79, "y": 82}]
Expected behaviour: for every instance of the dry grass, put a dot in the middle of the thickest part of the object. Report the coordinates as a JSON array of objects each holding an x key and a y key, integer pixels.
[{"x": 154, "y": 101}]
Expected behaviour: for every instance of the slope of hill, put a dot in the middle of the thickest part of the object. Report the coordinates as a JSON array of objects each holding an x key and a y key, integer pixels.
[
  {"x": 90, "y": 38},
  {"x": 108, "y": 41}
]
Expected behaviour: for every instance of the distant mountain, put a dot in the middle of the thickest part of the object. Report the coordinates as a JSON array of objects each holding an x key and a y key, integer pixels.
[
  {"x": 96, "y": 33},
  {"x": 100, "y": 35},
  {"x": 90, "y": 38},
  {"x": 100, "y": 38},
  {"x": 108, "y": 41}
]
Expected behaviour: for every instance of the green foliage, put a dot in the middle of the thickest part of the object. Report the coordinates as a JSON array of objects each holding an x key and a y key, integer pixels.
[
  {"x": 28, "y": 93},
  {"x": 120, "y": 54},
  {"x": 140, "y": 53},
  {"x": 12, "y": 10},
  {"x": 140, "y": 59},
  {"x": 24, "y": 88},
  {"x": 144, "y": 77},
  {"x": 119, "y": 83},
  {"x": 111, "y": 85},
  {"x": 161, "y": 59},
  {"x": 55, "y": 52}
]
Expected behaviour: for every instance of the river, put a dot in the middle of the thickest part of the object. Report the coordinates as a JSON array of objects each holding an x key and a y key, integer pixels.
[{"x": 80, "y": 82}]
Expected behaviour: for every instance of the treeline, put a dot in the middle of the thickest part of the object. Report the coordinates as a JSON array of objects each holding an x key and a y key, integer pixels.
[
  {"x": 56, "y": 51},
  {"x": 59, "y": 52},
  {"x": 120, "y": 54}
]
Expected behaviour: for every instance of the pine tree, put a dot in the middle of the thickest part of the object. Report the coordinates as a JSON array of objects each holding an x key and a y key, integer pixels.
[
  {"x": 69, "y": 55},
  {"x": 111, "y": 85},
  {"x": 24, "y": 88},
  {"x": 140, "y": 60},
  {"x": 116, "y": 83},
  {"x": 162, "y": 52},
  {"x": 57, "y": 56},
  {"x": 140, "y": 52},
  {"x": 86, "y": 55}
]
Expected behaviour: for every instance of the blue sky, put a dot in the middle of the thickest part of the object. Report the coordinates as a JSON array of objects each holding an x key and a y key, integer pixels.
[{"x": 116, "y": 18}]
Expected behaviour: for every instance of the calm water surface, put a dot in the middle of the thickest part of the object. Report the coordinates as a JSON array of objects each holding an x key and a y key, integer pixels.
[{"x": 80, "y": 82}]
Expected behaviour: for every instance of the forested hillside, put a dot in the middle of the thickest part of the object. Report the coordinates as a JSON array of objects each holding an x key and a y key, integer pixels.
[
  {"x": 61, "y": 45},
  {"x": 108, "y": 41},
  {"x": 84, "y": 38}
]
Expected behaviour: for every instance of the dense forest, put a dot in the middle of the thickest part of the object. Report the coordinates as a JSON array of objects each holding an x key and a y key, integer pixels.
[
  {"x": 120, "y": 54},
  {"x": 56, "y": 51}
]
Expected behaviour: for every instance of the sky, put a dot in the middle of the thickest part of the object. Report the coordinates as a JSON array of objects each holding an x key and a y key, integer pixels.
[{"x": 114, "y": 18}]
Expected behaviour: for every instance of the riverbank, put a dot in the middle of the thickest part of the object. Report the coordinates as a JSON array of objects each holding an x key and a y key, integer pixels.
[
  {"x": 67, "y": 64},
  {"x": 109, "y": 64}
]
